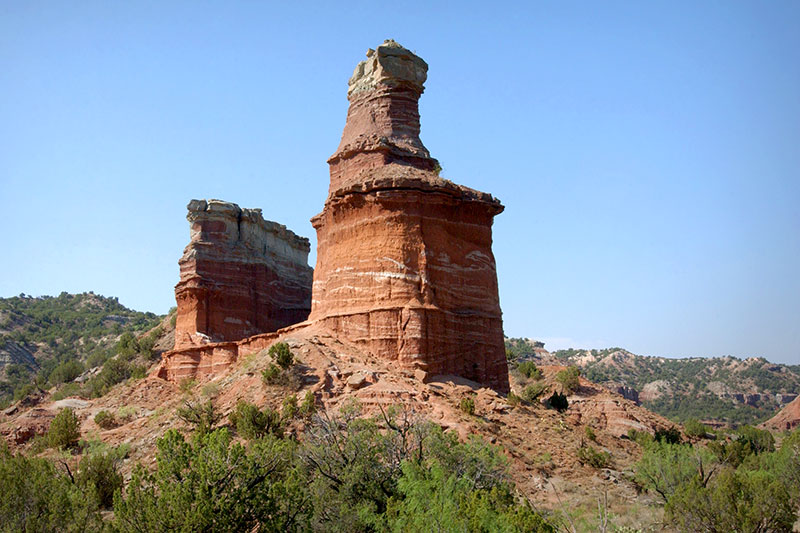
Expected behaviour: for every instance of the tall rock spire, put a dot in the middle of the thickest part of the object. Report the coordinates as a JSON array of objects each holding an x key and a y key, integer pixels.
[
  {"x": 383, "y": 120},
  {"x": 404, "y": 259}
]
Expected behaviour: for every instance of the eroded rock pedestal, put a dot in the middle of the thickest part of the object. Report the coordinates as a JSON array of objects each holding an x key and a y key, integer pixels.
[
  {"x": 404, "y": 263},
  {"x": 241, "y": 275}
]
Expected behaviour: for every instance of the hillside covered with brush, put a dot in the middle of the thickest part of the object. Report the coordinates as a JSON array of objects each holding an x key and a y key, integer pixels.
[
  {"x": 716, "y": 389},
  {"x": 53, "y": 341}
]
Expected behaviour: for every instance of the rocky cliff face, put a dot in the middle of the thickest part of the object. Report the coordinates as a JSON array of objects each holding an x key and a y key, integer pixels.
[
  {"x": 404, "y": 263},
  {"x": 240, "y": 275},
  {"x": 787, "y": 418}
]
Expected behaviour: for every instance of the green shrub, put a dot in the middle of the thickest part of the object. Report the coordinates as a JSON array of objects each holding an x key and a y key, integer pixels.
[
  {"x": 513, "y": 400},
  {"x": 746, "y": 441},
  {"x": 97, "y": 358},
  {"x": 569, "y": 379},
  {"x": 642, "y": 438},
  {"x": 127, "y": 345},
  {"x": 187, "y": 385},
  {"x": 64, "y": 430},
  {"x": 759, "y": 440},
  {"x": 99, "y": 470},
  {"x": 668, "y": 435},
  {"x": 529, "y": 370},
  {"x": 38, "y": 497},
  {"x": 66, "y": 390},
  {"x": 467, "y": 405},
  {"x": 281, "y": 354},
  {"x": 105, "y": 420},
  {"x": 203, "y": 416},
  {"x": 695, "y": 428},
  {"x": 589, "y": 456},
  {"x": 213, "y": 484},
  {"x": 309, "y": 405},
  {"x": 272, "y": 375},
  {"x": 65, "y": 372},
  {"x": 290, "y": 408},
  {"x": 532, "y": 392},
  {"x": 126, "y": 413},
  {"x": 252, "y": 423},
  {"x": 23, "y": 391},
  {"x": 735, "y": 500},
  {"x": 590, "y": 434}
]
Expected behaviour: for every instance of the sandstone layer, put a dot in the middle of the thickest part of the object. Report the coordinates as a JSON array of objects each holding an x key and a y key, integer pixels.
[
  {"x": 241, "y": 275},
  {"x": 404, "y": 262}
]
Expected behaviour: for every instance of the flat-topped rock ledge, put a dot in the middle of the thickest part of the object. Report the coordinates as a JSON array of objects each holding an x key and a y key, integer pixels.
[{"x": 240, "y": 275}]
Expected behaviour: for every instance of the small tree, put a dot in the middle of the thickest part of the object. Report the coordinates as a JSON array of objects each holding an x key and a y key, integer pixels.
[
  {"x": 467, "y": 405},
  {"x": 569, "y": 379},
  {"x": 64, "y": 430},
  {"x": 105, "y": 420},
  {"x": 252, "y": 422},
  {"x": 281, "y": 354},
  {"x": 558, "y": 402},
  {"x": 668, "y": 435},
  {"x": 100, "y": 470},
  {"x": 529, "y": 370},
  {"x": 695, "y": 428},
  {"x": 589, "y": 456},
  {"x": 532, "y": 392},
  {"x": 202, "y": 416},
  {"x": 309, "y": 405}
]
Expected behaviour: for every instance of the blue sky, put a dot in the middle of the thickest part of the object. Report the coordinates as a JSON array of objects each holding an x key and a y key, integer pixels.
[{"x": 647, "y": 153}]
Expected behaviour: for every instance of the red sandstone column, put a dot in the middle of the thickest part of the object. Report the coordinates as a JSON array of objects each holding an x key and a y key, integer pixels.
[{"x": 404, "y": 260}]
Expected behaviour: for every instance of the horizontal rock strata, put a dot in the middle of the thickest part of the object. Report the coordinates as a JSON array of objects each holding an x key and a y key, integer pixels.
[
  {"x": 240, "y": 276},
  {"x": 208, "y": 360},
  {"x": 404, "y": 263}
]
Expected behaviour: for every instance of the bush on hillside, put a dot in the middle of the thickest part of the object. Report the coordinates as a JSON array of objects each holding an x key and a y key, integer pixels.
[
  {"x": 558, "y": 402},
  {"x": 695, "y": 428},
  {"x": 202, "y": 416},
  {"x": 529, "y": 370},
  {"x": 105, "y": 419},
  {"x": 64, "y": 430},
  {"x": 569, "y": 379},
  {"x": 532, "y": 392},
  {"x": 37, "y": 496},
  {"x": 282, "y": 355},
  {"x": 467, "y": 405},
  {"x": 253, "y": 423},
  {"x": 587, "y": 455},
  {"x": 668, "y": 435}
]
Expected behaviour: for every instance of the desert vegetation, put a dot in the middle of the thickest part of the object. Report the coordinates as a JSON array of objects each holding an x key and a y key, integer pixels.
[
  {"x": 51, "y": 341},
  {"x": 392, "y": 472}
]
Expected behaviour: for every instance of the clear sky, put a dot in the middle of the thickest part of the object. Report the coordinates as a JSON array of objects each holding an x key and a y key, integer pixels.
[{"x": 647, "y": 153}]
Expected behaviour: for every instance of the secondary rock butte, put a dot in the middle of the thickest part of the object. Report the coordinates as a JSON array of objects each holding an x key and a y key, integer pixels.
[
  {"x": 241, "y": 275},
  {"x": 404, "y": 262}
]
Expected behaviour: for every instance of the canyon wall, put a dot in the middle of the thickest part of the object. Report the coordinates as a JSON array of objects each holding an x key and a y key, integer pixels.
[
  {"x": 404, "y": 261},
  {"x": 240, "y": 275}
]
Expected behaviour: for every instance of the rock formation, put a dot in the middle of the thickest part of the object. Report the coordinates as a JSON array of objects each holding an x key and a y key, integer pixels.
[
  {"x": 404, "y": 264},
  {"x": 787, "y": 418},
  {"x": 240, "y": 275}
]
